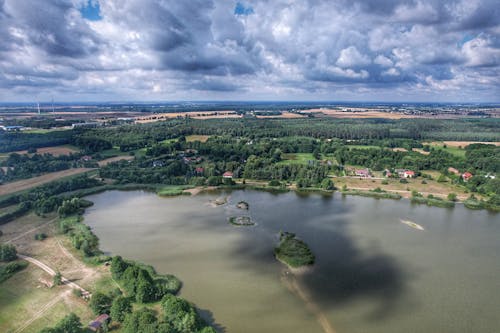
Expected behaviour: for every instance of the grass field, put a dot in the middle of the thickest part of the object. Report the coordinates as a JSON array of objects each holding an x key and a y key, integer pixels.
[
  {"x": 25, "y": 184},
  {"x": 56, "y": 150},
  {"x": 173, "y": 190},
  {"x": 298, "y": 158},
  {"x": 452, "y": 149},
  {"x": 45, "y": 130},
  {"x": 362, "y": 147},
  {"x": 115, "y": 151},
  {"x": 27, "y": 303}
]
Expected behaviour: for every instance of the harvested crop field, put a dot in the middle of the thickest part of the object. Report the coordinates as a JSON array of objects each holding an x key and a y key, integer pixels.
[
  {"x": 357, "y": 114},
  {"x": 421, "y": 151},
  {"x": 195, "y": 115},
  {"x": 56, "y": 151},
  {"x": 115, "y": 159},
  {"x": 461, "y": 144},
  {"x": 25, "y": 184},
  {"x": 288, "y": 115}
]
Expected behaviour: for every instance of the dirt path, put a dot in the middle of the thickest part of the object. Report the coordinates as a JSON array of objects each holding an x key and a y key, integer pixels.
[
  {"x": 51, "y": 272},
  {"x": 30, "y": 231},
  {"x": 41, "y": 312},
  {"x": 25, "y": 184}
]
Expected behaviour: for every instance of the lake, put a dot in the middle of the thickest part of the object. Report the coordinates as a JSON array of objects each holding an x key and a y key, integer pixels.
[{"x": 372, "y": 272}]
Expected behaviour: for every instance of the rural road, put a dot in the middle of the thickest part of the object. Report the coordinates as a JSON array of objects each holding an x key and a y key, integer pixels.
[{"x": 50, "y": 271}]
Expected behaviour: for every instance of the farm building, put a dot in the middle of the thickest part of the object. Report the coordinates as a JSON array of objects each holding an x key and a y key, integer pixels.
[{"x": 96, "y": 325}]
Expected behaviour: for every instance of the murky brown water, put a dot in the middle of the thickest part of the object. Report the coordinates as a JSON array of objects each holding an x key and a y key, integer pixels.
[{"x": 373, "y": 273}]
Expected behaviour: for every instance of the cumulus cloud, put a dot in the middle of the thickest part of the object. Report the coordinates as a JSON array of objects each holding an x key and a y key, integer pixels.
[
  {"x": 223, "y": 49},
  {"x": 350, "y": 57}
]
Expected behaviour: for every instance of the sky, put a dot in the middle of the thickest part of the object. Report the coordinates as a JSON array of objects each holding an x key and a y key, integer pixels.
[{"x": 297, "y": 50}]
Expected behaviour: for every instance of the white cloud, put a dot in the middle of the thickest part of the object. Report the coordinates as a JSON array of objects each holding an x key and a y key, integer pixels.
[
  {"x": 167, "y": 49},
  {"x": 383, "y": 61},
  {"x": 480, "y": 52},
  {"x": 351, "y": 57}
]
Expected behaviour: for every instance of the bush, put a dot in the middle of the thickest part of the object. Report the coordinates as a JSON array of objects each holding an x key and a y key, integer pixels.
[
  {"x": 6, "y": 271},
  {"x": 385, "y": 182},
  {"x": 327, "y": 184},
  {"x": 452, "y": 197},
  {"x": 69, "y": 324},
  {"x": 100, "y": 303},
  {"x": 442, "y": 179},
  {"x": 7, "y": 252},
  {"x": 214, "y": 180},
  {"x": 40, "y": 237},
  {"x": 57, "y": 279},
  {"x": 274, "y": 182}
]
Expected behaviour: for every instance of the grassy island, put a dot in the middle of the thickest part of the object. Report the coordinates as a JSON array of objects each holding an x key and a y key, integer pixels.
[
  {"x": 241, "y": 221},
  {"x": 293, "y": 252}
]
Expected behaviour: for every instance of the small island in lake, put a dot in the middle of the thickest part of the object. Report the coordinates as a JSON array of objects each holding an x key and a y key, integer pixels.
[
  {"x": 243, "y": 205},
  {"x": 293, "y": 252},
  {"x": 241, "y": 220}
]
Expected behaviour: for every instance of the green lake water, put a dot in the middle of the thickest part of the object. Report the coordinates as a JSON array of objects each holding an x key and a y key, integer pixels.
[{"x": 372, "y": 274}]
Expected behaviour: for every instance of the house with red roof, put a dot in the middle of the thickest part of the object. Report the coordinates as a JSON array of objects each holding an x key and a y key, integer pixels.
[
  {"x": 466, "y": 176},
  {"x": 227, "y": 174},
  {"x": 409, "y": 174}
]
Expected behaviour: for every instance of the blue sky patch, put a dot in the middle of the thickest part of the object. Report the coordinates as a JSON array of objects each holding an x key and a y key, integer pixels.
[
  {"x": 465, "y": 39},
  {"x": 91, "y": 11},
  {"x": 241, "y": 9}
]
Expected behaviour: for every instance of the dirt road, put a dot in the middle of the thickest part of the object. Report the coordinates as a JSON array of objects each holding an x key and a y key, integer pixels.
[{"x": 51, "y": 272}]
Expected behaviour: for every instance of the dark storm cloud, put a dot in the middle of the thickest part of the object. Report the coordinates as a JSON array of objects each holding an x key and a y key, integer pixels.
[{"x": 273, "y": 48}]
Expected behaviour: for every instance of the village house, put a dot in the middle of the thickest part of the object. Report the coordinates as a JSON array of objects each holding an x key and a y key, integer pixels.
[
  {"x": 96, "y": 325},
  {"x": 409, "y": 174},
  {"x": 199, "y": 170},
  {"x": 466, "y": 176},
  {"x": 453, "y": 170},
  {"x": 388, "y": 173},
  {"x": 86, "y": 158},
  {"x": 227, "y": 174},
  {"x": 364, "y": 173},
  {"x": 403, "y": 173}
]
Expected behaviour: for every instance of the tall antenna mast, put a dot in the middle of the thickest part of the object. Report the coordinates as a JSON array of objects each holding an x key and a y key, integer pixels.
[
  {"x": 38, "y": 104},
  {"x": 53, "y": 105}
]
